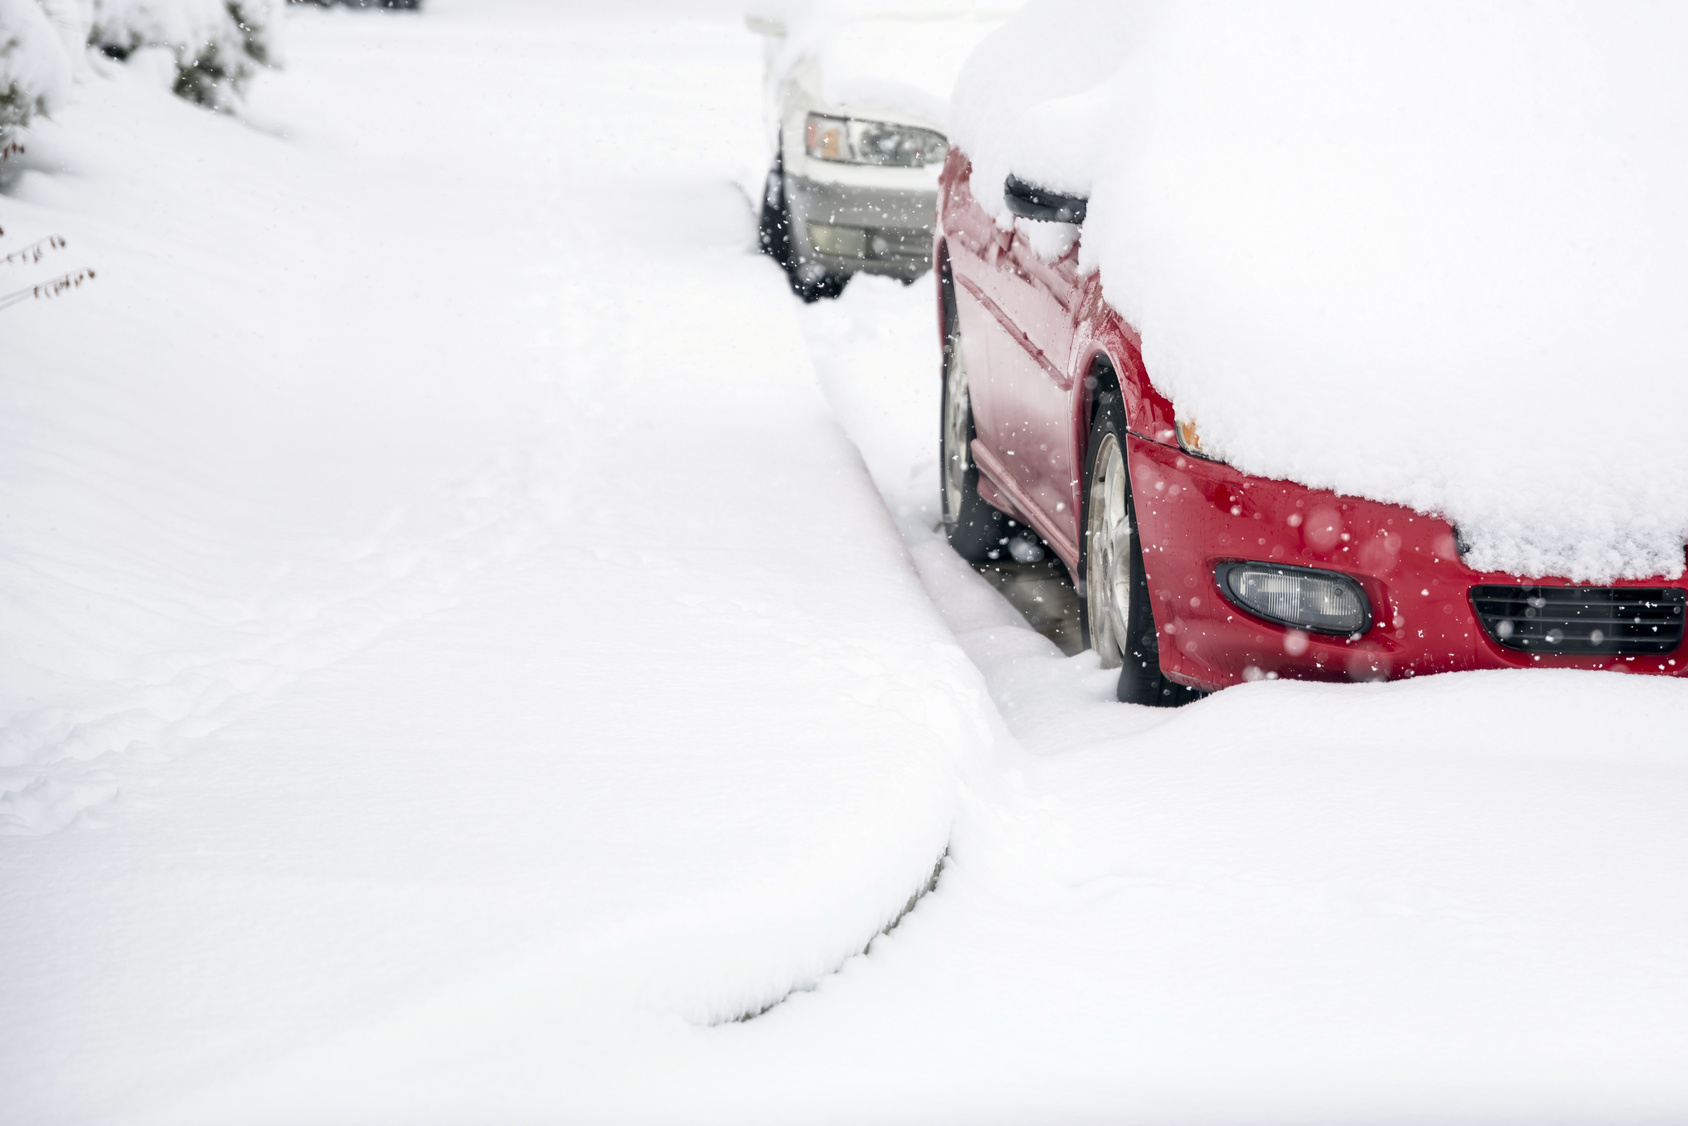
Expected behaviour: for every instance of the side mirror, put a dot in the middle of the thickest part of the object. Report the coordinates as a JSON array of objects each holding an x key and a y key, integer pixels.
[
  {"x": 762, "y": 25},
  {"x": 1029, "y": 202}
]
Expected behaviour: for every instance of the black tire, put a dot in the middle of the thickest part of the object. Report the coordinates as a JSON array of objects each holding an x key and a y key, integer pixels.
[
  {"x": 1132, "y": 639},
  {"x": 975, "y": 529},
  {"x": 811, "y": 287},
  {"x": 773, "y": 228},
  {"x": 773, "y": 235}
]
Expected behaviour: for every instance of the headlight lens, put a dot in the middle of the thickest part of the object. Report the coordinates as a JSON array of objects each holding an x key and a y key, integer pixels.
[
  {"x": 882, "y": 143},
  {"x": 1299, "y": 597}
]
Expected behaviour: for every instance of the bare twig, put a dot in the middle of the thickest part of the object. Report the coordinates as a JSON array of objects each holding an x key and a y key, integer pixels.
[
  {"x": 47, "y": 290},
  {"x": 35, "y": 251}
]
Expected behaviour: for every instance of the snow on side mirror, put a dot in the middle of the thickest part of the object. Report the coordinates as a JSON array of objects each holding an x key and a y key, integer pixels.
[
  {"x": 1031, "y": 202},
  {"x": 763, "y": 25}
]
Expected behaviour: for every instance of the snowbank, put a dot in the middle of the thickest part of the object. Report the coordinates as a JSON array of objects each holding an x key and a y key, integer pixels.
[
  {"x": 421, "y": 594},
  {"x": 1428, "y": 253}
]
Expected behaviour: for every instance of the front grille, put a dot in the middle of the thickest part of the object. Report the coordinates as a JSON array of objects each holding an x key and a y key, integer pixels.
[{"x": 1582, "y": 620}]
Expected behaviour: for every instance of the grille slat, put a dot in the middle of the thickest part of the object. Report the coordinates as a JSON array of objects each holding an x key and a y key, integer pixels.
[{"x": 1582, "y": 620}]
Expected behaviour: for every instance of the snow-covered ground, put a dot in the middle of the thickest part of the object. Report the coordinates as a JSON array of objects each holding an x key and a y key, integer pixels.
[{"x": 458, "y": 660}]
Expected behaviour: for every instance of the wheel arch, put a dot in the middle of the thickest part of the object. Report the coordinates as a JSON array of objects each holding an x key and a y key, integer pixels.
[
  {"x": 1114, "y": 368},
  {"x": 1101, "y": 371},
  {"x": 945, "y": 277}
]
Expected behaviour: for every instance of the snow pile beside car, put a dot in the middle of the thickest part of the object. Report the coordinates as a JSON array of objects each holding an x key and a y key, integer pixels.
[{"x": 1428, "y": 253}]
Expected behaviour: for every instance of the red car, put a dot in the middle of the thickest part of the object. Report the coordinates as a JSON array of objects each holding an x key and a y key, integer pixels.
[{"x": 1193, "y": 576}]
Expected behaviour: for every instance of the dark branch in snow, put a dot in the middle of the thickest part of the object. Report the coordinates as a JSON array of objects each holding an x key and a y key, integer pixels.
[
  {"x": 925, "y": 889},
  {"x": 47, "y": 290},
  {"x": 35, "y": 251}
]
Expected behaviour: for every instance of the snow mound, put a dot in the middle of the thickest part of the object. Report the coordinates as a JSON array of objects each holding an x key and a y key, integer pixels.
[
  {"x": 900, "y": 58},
  {"x": 1429, "y": 253},
  {"x": 903, "y": 66}
]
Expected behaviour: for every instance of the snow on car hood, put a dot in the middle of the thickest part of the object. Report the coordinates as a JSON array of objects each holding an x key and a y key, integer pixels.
[
  {"x": 901, "y": 66},
  {"x": 1426, "y": 252},
  {"x": 884, "y": 56}
]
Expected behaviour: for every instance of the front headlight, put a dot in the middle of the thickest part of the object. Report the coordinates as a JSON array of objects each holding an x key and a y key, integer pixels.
[
  {"x": 882, "y": 143},
  {"x": 1190, "y": 439},
  {"x": 1299, "y": 597}
]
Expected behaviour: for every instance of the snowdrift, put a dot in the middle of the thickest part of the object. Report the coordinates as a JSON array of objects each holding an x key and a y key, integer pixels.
[{"x": 1428, "y": 253}]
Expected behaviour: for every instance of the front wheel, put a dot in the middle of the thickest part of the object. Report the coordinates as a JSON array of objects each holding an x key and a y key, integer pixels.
[
  {"x": 1119, "y": 623},
  {"x": 813, "y": 282},
  {"x": 773, "y": 227}
]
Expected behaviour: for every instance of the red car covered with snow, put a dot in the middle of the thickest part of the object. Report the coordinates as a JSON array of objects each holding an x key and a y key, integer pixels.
[{"x": 1192, "y": 575}]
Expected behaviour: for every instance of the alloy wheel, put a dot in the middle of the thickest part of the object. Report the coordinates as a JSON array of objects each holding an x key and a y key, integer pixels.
[{"x": 1108, "y": 555}]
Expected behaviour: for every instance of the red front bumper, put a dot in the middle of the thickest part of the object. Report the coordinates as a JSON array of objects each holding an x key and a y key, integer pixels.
[{"x": 1193, "y": 515}]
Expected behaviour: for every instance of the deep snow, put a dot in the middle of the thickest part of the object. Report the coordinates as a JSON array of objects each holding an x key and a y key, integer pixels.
[
  {"x": 438, "y": 559},
  {"x": 460, "y": 663}
]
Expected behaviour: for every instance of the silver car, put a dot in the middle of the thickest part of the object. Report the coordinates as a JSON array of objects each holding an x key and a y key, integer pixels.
[{"x": 855, "y": 110}]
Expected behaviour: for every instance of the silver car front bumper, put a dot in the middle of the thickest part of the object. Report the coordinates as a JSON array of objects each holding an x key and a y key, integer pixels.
[{"x": 847, "y": 229}]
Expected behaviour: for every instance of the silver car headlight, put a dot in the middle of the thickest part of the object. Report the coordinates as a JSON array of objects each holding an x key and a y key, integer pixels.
[{"x": 882, "y": 143}]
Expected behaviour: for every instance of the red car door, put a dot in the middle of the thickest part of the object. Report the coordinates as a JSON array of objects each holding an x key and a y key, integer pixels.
[
  {"x": 1035, "y": 301},
  {"x": 976, "y": 248}
]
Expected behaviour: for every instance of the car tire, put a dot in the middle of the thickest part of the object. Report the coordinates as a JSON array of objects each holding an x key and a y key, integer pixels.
[
  {"x": 974, "y": 527},
  {"x": 813, "y": 284},
  {"x": 773, "y": 228},
  {"x": 1115, "y": 610},
  {"x": 773, "y": 236}
]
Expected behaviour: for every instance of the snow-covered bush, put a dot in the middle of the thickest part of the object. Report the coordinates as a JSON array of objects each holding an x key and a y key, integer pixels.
[
  {"x": 34, "y": 69},
  {"x": 218, "y": 44}
]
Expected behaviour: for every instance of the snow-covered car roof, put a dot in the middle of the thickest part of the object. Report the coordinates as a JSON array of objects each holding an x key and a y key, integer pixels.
[
  {"x": 895, "y": 58},
  {"x": 1424, "y": 251}
]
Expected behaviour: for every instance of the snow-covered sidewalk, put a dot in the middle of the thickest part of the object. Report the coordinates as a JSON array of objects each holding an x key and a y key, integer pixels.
[
  {"x": 442, "y": 568},
  {"x": 459, "y": 661}
]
